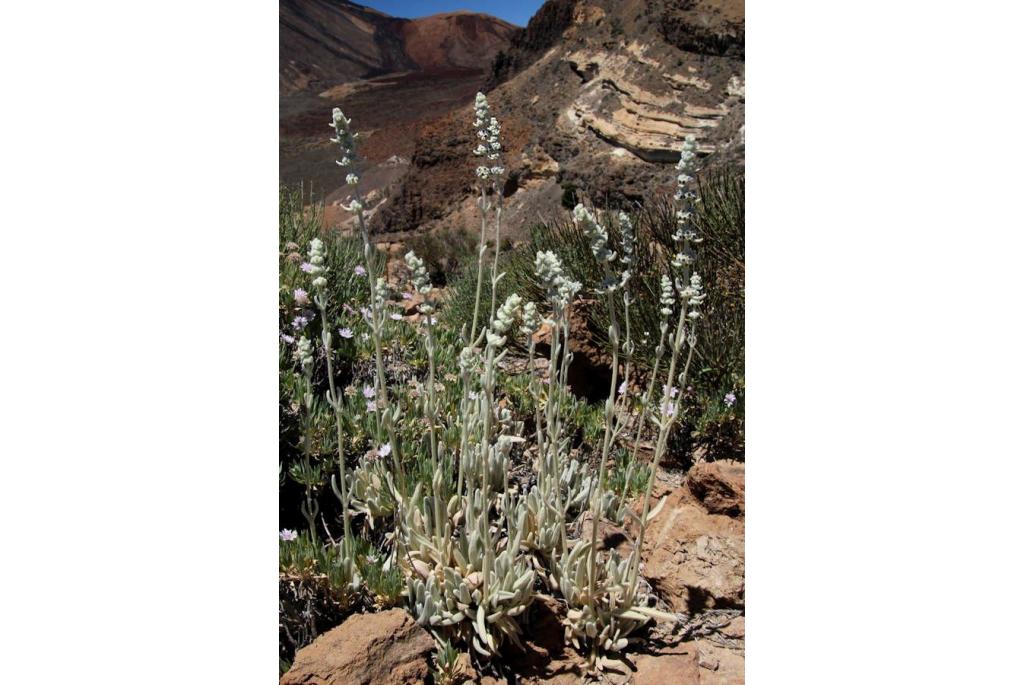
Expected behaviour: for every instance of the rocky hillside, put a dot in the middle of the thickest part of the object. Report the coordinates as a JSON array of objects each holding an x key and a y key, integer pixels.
[
  {"x": 392, "y": 75},
  {"x": 324, "y": 43},
  {"x": 595, "y": 95}
]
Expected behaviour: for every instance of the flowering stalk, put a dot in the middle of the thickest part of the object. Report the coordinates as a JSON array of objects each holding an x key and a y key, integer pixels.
[
  {"x": 626, "y": 259},
  {"x": 345, "y": 138},
  {"x": 488, "y": 148},
  {"x": 310, "y": 507},
  {"x": 421, "y": 282},
  {"x": 690, "y": 296},
  {"x": 318, "y": 271},
  {"x": 599, "y": 247}
]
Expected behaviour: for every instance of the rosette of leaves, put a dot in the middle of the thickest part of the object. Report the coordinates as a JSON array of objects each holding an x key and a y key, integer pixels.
[
  {"x": 472, "y": 587},
  {"x": 601, "y": 624},
  {"x": 370, "y": 488}
]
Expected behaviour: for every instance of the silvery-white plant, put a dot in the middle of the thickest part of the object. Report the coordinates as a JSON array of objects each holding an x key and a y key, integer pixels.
[
  {"x": 345, "y": 138},
  {"x": 490, "y": 174},
  {"x": 690, "y": 296},
  {"x": 473, "y": 549}
]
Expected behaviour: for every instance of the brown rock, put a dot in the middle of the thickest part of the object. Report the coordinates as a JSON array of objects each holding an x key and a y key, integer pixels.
[
  {"x": 719, "y": 486},
  {"x": 693, "y": 559},
  {"x": 678, "y": 666},
  {"x": 379, "y": 649}
]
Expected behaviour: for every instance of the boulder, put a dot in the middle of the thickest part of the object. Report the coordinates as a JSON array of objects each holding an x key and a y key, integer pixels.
[
  {"x": 718, "y": 486},
  {"x": 694, "y": 559},
  {"x": 388, "y": 648}
]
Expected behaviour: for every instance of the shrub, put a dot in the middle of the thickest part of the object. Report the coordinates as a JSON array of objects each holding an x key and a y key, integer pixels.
[{"x": 455, "y": 484}]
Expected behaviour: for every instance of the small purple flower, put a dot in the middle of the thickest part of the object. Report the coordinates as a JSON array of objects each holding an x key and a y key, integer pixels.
[
  {"x": 371, "y": 406},
  {"x": 367, "y": 314},
  {"x": 622, "y": 388},
  {"x": 287, "y": 338},
  {"x": 306, "y": 267},
  {"x": 301, "y": 296},
  {"x": 348, "y": 309},
  {"x": 345, "y": 333},
  {"x": 300, "y": 322},
  {"x": 406, "y": 296},
  {"x": 385, "y": 449},
  {"x": 396, "y": 317},
  {"x": 671, "y": 392},
  {"x": 289, "y": 535},
  {"x": 359, "y": 270},
  {"x": 369, "y": 392},
  {"x": 668, "y": 409},
  {"x": 730, "y": 399}
]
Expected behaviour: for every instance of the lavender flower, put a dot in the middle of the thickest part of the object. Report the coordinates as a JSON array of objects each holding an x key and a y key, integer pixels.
[
  {"x": 385, "y": 449},
  {"x": 730, "y": 399},
  {"x": 288, "y": 535},
  {"x": 622, "y": 388},
  {"x": 287, "y": 338},
  {"x": 301, "y": 296},
  {"x": 369, "y": 392},
  {"x": 345, "y": 333},
  {"x": 668, "y": 409},
  {"x": 306, "y": 267},
  {"x": 371, "y": 406},
  {"x": 395, "y": 316},
  {"x": 360, "y": 270}
]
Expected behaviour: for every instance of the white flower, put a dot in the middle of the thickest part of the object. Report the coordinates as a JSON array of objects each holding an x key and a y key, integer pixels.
[
  {"x": 351, "y": 179},
  {"x": 420, "y": 278},
  {"x": 597, "y": 233},
  {"x": 504, "y": 318},
  {"x": 488, "y": 132},
  {"x": 304, "y": 351},
  {"x": 384, "y": 449},
  {"x": 667, "y": 299},
  {"x": 316, "y": 263},
  {"x": 531, "y": 319}
]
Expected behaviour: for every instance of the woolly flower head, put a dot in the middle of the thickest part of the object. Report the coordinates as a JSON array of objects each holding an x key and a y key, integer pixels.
[
  {"x": 504, "y": 318},
  {"x": 531, "y": 319},
  {"x": 548, "y": 268},
  {"x": 420, "y": 279},
  {"x": 595, "y": 232},
  {"x": 686, "y": 164},
  {"x": 694, "y": 293},
  {"x": 344, "y": 138},
  {"x": 628, "y": 238},
  {"x": 316, "y": 262},
  {"x": 488, "y": 132},
  {"x": 468, "y": 360},
  {"x": 668, "y": 297},
  {"x": 304, "y": 350},
  {"x": 288, "y": 535}
]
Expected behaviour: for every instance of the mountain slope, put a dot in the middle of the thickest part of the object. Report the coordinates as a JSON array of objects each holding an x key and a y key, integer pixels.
[
  {"x": 594, "y": 96},
  {"x": 324, "y": 43}
]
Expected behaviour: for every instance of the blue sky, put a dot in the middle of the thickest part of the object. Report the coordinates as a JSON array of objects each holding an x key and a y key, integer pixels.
[{"x": 515, "y": 11}]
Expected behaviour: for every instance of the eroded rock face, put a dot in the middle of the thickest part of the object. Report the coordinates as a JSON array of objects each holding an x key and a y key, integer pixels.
[{"x": 368, "y": 649}]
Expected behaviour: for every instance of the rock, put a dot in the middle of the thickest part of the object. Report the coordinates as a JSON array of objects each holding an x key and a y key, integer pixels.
[
  {"x": 719, "y": 486},
  {"x": 694, "y": 559},
  {"x": 678, "y": 667},
  {"x": 715, "y": 659},
  {"x": 379, "y": 649}
]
